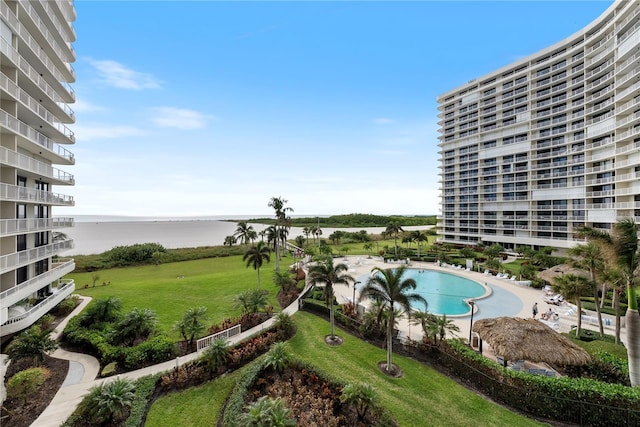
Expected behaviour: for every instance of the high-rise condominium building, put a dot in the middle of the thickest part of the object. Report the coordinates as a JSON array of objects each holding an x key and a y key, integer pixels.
[
  {"x": 547, "y": 144},
  {"x": 35, "y": 72}
]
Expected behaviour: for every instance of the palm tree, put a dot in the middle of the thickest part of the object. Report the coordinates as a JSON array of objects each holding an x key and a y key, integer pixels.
[
  {"x": 590, "y": 258},
  {"x": 418, "y": 237},
  {"x": 446, "y": 325},
  {"x": 623, "y": 255},
  {"x": 572, "y": 286},
  {"x": 216, "y": 355},
  {"x": 256, "y": 255},
  {"x": 279, "y": 206},
  {"x": 138, "y": 323},
  {"x": 270, "y": 233},
  {"x": 360, "y": 396},
  {"x": 252, "y": 301},
  {"x": 193, "y": 324},
  {"x": 394, "y": 229},
  {"x": 244, "y": 232},
  {"x": 389, "y": 286},
  {"x": 428, "y": 323},
  {"x": 616, "y": 283},
  {"x": 33, "y": 343},
  {"x": 230, "y": 241},
  {"x": 307, "y": 231},
  {"x": 325, "y": 273},
  {"x": 111, "y": 401},
  {"x": 267, "y": 411},
  {"x": 103, "y": 310}
]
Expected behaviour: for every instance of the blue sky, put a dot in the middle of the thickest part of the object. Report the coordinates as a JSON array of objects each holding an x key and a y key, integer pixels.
[{"x": 189, "y": 108}]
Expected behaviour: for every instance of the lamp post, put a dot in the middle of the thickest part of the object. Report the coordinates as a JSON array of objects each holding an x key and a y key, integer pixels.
[
  {"x": 472, "y": 304},
  {"x": 356, "y": 283}
]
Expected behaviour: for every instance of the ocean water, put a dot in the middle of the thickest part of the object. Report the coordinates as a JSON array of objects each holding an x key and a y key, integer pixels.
[{"x": 94, "y": 235}]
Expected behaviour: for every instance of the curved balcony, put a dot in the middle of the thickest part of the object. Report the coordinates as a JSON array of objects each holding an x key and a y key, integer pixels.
[
  {"x": 24, "y": 289},
  {"x": 14, "y": 193},
  {"x": 10, "y": 227},
  {"x": 23, "y": 321},
  {"x": 36, "y": 167},
  {"x": 20, "y": 259}
]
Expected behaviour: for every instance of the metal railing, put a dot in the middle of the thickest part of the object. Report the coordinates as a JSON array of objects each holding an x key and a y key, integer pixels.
[{"x": 205, "y": 342}]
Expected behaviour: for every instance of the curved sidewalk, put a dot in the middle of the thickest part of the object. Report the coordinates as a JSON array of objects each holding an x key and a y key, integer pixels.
[{"x": 84, "y": 369}]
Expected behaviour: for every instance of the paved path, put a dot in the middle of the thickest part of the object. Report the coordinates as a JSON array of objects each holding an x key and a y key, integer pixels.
[{"x": 84, "y": 369}]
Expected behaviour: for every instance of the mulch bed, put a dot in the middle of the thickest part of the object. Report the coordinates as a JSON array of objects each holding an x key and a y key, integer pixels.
[{"x": 14, "y": 413}]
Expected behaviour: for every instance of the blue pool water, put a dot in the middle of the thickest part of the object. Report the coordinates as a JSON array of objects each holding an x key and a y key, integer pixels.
[{"x": 444, "y": 292}]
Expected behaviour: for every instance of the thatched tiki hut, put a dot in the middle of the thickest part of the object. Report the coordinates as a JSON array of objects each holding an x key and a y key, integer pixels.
[
  {"x": 560, "y": 270},
  {"x": 513, "y": 339}
]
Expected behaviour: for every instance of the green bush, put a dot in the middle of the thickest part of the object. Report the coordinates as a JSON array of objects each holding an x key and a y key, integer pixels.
[{"x": 26, "y": 382}]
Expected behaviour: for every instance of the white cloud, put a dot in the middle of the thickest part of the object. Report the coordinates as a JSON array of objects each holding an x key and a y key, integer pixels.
[
  {"x": 117, "y": 75},
  {"x": 383, "y": 121},
  {"x": 180, "y": 118},
  {"x": 81, "y": 106},
  {"x": 102, "y": 131}
]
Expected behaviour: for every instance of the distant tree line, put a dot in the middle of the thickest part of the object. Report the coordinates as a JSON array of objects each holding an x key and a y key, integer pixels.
[{"x": 355, "y": 220}]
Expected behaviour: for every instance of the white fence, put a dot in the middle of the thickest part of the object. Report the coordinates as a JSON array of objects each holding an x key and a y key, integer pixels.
[{"x": 227, "y": 333}]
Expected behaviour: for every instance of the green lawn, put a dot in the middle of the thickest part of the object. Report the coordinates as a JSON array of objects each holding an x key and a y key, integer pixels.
[
  {"x": 170, "y": 289},
  {"x": 195, "y": 407},
  {"x": 421, "y": 397}
]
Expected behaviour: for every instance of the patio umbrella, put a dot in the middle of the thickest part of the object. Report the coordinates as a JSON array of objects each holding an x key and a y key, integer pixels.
[
  {"x": 559, "y": 270},
  {"x": 528, "y": 339}
]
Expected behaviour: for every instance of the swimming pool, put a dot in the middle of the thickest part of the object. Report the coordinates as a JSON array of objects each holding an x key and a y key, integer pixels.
[{"x": 446, "y": 293}]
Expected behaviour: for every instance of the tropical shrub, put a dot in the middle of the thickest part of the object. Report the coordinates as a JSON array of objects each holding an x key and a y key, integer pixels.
[
  {"x": 33, "y": 343},
  {"x": 25, "y": 383}
]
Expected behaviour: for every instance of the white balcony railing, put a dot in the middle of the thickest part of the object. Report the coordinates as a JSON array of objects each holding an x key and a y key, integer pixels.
[
  {"x": 24, "y": 33},
  {"x": 26, "y": 163},
  {"x": 24, "y": 289},
  {"x": 35, "y": 106},
  {"x": 14, "y": 193},
  {"x": 30, "y": 133},
  {"x": 38, "y": 79},
  {"x": 22, "y": 321},
  {"x": 31, "y": 225},
  {"x": 19, "y": 259}
]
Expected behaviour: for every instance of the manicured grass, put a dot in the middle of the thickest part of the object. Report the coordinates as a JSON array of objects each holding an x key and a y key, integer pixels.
[
  {"x": 198, "y": 406},
  {"x": 421, "y": 397},
  {"x": 170, "y": 289}
]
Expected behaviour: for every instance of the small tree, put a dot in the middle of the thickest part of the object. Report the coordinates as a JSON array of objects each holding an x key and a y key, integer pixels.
[
  {"x": 256, "y": 256},
  {"x": 136, "y": 324},
  {"x": 360, "y": 396},
  {"x": 193, "y": 324},
  {"x": 268, "y": 412},
  {"x": 103, "y": 310},
  {"x": 278, "y": 357},
  {"x": 34, "y": 343},
  {"x": 109, "y": 403},
  {"x": 216, "y": 355},
  {"x": 25, "y": 383}
]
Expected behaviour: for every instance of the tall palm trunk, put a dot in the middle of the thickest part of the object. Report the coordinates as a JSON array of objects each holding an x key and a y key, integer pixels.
[
  {"x": 579, "y": 307},
  {"x": 632, "y": 322},
  {"x": 597, "y": 303},
  {"x": 275, "y": 244},
  {"x": 390, "y": 337},
  {"x": 332, "y": 321},
  {"x": 616, "y": 306}
]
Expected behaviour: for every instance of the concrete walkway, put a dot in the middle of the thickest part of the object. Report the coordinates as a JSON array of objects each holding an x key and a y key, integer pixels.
[
  {"x": 508, "y": 298},
  {"x": 84, "y": 369}
]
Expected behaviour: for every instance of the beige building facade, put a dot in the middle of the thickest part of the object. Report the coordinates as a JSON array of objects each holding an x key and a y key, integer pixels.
[
  {"x": 533, "y": 151},
  {"x": 36, "y": 54}
]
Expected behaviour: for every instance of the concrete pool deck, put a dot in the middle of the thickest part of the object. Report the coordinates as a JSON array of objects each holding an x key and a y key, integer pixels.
[{"x": 507, "y": 298}]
